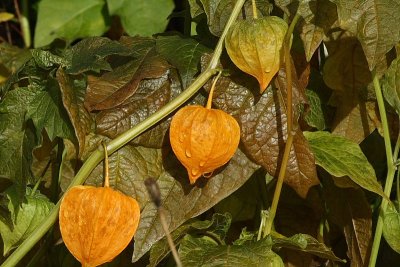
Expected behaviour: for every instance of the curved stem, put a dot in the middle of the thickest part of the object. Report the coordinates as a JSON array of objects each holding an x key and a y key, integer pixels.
[
  {"x": 211, "y": 93},
  {"x": 106, "y": 173},
  {"x": 95, "y": 158},
  {"x": 390, "y": 173},
  {"x": 290, "y": 135}
]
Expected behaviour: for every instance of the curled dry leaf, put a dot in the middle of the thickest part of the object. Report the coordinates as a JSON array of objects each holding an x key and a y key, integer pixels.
[
  {"x": 97, "y": 223},
  {"x": 203, "y": 139},
  {"x": 255, "y": 47}
]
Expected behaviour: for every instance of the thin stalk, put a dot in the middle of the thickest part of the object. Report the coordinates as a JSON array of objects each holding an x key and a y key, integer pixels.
[
  {"x": 187, "y": 24},
  {"x": 289, "y": 140},
  {"x": 210, "y": 95},
  {"x": 253, "y": 3},
  {"x": 106, "y": 174},
  {"x": 390, "y": 173},
  {"x": 97, "y": 155},
  {"x": 169, "y": 238}
]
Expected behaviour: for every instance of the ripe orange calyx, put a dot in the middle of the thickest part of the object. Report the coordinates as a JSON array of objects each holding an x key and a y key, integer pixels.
[
  {"x": 97, "y": 223},
  {"x": 203, "y": 139}
]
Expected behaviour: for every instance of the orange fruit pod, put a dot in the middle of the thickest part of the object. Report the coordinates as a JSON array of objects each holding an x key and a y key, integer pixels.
[
  {"x": 97, "y": 223},
  {"x": 203, "y": 139}
]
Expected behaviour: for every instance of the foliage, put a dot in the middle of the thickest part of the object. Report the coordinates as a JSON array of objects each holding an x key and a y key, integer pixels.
[{"x": 113, "y": 71}]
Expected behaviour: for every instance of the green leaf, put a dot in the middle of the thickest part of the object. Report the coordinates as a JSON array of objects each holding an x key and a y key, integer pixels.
[
  {"x": 73, "y": 93},
  {"x": 5, "y": 16},
  {"x": 391, "y": 85},
  {"x": 47, "y": 112},
  {"x": 218, "y": 12},
  {"x": 89, "y": 54},
  {"x": 17, "y": 139},
  {"x": 218, "y": 226},
  {"x": 315, "y": 117},
  {"x": 319, "y": 16},
  {"x": 205, "y": 252},
  {"x": 305, "y": 243},
  {"x": 46, "y": 59},
  {"x": 30, "y": 214},
  {"x": 143, "y": 18},
  {"x": 183, "y": 53},
  {"x": 69, "y": 19},
  {"x": 130, "y": 166},
  {"x": 342, "y": 157},
  {"x": 375, "y": 23},
  {"x": 391, "y": 227}
]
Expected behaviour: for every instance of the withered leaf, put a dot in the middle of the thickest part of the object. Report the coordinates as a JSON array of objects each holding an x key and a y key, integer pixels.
[
  {"x": 130, "y": 166},
  {"x": 263, "y": 126},
  {"x": 113, "y": 88},
  {"x": 73, "y": 92},
  {"x": 349, "y": 209},
  {"x": 319, "y": 16},
  {"x": 150, "y": 96},
  {"x": 346, "y": 72}
]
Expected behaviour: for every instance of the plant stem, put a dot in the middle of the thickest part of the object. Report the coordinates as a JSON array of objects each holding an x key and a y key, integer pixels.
[
  {"x": 289, "y": 122},
  {"x": 211, "y": 93},
  {"x": 106, "y": 174},
  {"x": 169, "y": 238},
  {"x": 253, "y": 3},
  {"x": 95, "y": 158},
  {"x": 390, "y": 173}
]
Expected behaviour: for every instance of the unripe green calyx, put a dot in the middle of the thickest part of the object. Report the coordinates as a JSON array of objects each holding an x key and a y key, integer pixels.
[{"x": 255, "y": 46}]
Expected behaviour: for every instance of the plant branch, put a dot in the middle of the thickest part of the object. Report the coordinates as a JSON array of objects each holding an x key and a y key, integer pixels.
[
  {"x": 97, "y": 155},
  {"x": 289, "y": 121},
  {"x": 390, "y": 173}
]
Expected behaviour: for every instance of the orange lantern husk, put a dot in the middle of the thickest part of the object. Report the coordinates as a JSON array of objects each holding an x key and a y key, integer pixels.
[
  {"x": 97, "y": 223},
  {"x": 203, "y": 139}
]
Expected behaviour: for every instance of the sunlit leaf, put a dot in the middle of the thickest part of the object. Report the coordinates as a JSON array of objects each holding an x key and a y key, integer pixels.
[
  {"x": 342, "y": 157},
  {"x": 218, "y": 226},
  {"x": 69, "y": 19},
  {"x": 17, "y": 139},
  {"x": 24, "y": 222},
  {"x": 391, "y": 227},
  {"x": 143, "y": 18},
  {"x": 315, "y": 117},
  {"x": 47, "y": 112},
  {"x": 205, "y": 252},
  {"x": 391, "y": 85}
]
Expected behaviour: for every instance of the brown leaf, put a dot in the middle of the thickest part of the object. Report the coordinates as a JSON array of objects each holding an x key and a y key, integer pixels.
[
  {"x": 131, "y": 165},
  {"x": 346, "y": 72},
  {"x": 263, "y": 125},
  {"x": 73, "y": 93},
  {"x": 349, "y": 209},
  {"x": 113, "y": 88},
  {"x": 150, "y": 96}
]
